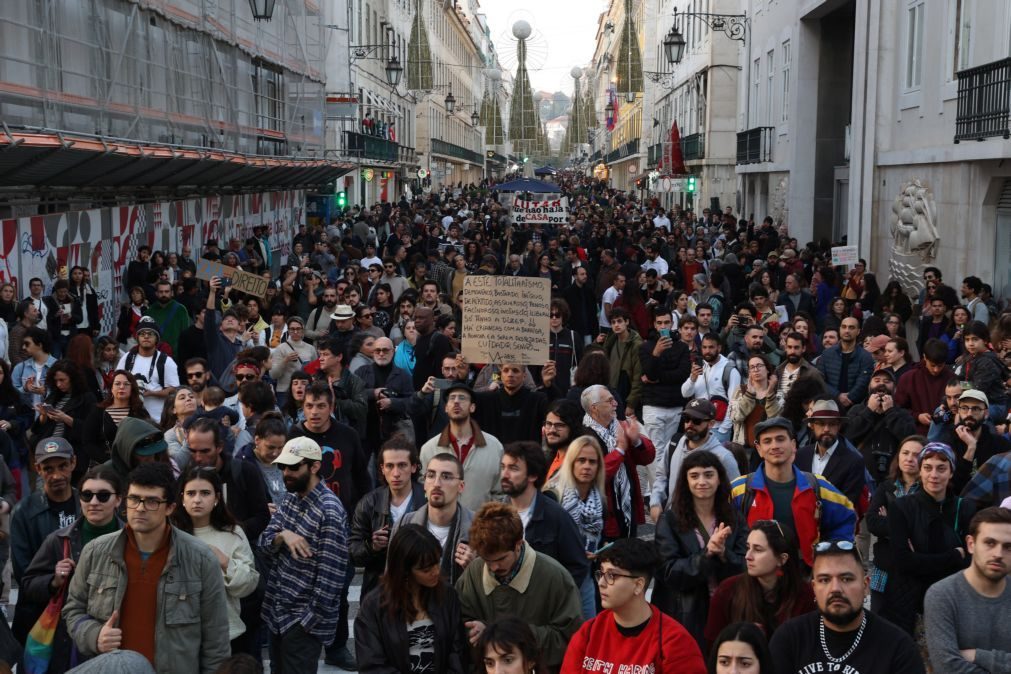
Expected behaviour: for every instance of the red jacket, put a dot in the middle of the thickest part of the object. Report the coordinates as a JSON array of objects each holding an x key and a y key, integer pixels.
[
  {"x": 918, "y": 391},
  {"x": 642, "y": 455},
  {"x": 599, "y": 647}
]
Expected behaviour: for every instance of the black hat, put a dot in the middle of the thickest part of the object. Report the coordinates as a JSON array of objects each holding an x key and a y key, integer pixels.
[
  {"x": 774, "y": 422},
  {"x": 700, "y": 409},
  {"x": 458, "y": 386}
]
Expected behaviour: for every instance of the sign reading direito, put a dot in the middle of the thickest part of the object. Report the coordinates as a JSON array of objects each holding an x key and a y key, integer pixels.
[{"x": 505, "y": 319}]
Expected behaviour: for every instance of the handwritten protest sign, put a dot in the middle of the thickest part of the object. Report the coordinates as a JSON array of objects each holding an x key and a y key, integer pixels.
[
  {"x": 505, "y": 319},
  {"x": 550, "y": 211},
  {"x": 844, "y": 255},
  {"x": 243, "y": 281},
  {"x": 251, "y": 284}
]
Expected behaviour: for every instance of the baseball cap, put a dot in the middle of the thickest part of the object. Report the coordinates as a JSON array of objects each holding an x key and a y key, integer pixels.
[
  {"x": 884, "y": 372},
  {"x": 298, "y": 450},
  {"x": 974, "y": 394},
  {"x": 700, "y": 409},
  {"x": 53, "y": 448}
]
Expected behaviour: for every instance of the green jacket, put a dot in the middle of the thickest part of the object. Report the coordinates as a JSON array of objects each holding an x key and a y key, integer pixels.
[
  {"x": 191, "y": 617},
  {"x": 624, "y": 357},
  {"x": 542, "y": 594},
  {"x": 172, "y": 319}
]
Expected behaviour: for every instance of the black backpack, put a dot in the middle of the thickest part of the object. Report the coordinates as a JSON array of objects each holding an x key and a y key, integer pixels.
[{"x": 159, "y": 363}]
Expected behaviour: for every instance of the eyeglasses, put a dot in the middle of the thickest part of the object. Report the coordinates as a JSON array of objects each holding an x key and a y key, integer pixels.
[
  {"x": 296, "y": 328},
  {"x": 246, "y": 377},
  {"x": 971, "y": 409},
  {"x": 556, "y": 427},
  {"x": 694, "y": 422},
  {"x": 194, "y": 375},
  {"x": 610, "y": 576},
  {"x": 381, "y": 349},
  {"x": 555, "y": 314},
  {"x": 149, "y": 503},
  {"x": 432, "y": 476},
  {"x": 103, "y": 496}
]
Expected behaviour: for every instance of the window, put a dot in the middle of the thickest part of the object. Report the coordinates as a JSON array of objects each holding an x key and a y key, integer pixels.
[
  {"x": 756, "y": 79},
  {"x": 962, "y": 54},
  {"x": 784, "y": 114},
  {"x": 914, "y": 45},
  {"x": 770, "y": 99}
]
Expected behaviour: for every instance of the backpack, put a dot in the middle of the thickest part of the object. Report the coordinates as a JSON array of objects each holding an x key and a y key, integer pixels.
[{"x": 159, "y": 364}]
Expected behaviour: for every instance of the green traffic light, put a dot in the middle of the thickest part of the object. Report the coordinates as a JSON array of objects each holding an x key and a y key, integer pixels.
[{"x": 342, "y": 199}]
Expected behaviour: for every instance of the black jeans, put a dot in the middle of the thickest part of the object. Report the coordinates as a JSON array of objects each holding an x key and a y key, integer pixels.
[
  {"x": 342, "y": 633},
  {"x": 294, "y": 652}
]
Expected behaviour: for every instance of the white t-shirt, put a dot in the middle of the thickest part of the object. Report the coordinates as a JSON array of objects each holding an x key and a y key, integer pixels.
[
  {"x": 144, "y": 366},
  {"x": 365, "y": 262},
  {"x": 397, "y": 513},
  {"x": 525, "y": 516},
  {"x": 610, "y": 297},
  {"x": 441, "y": 533}
]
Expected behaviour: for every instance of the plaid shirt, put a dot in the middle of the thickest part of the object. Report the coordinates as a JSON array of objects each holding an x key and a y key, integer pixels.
[
  {"x": 307, "y": 592},
  {"x": 992, "y": 482}
]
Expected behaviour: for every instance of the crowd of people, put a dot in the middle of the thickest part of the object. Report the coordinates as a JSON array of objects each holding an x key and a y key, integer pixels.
[{"x": 196, "y": 490}]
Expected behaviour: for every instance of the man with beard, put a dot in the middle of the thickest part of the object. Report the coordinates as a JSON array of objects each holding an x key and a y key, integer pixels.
[
  {"x": 511, "y": 578},
  {"x": 547, "y": 527},
  {"x": 562, "y": 424},
  {"x": 444, "y": 516},
  {"x": 879, "y": 425},
  {"x": 715, "y": 379},
  {"x": 755, "y": 343},
  {"x": 389, "y": 390},
  {"x": 699, "y": 415},
  {"x": 171, "y": 316},
  {"x": 478, "y": 452},
  {"x": 581, "y": 298},
  {"x": 156, "y": 373},
  {"x": 959, "y": 612},
  {"x": 794, "y": 364},
  {"x": 302, "y": 606},
  {"x": 832, "y": 455},
  {"x": 841, "y": 635},
  {"x": 198, "y": 375},
  {"x": 317, "y": 325},
  {"x": 972, "y": 439}
]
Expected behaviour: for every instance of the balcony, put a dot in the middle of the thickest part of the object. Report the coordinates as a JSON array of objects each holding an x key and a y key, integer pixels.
[
  {"x": 624, "y": 150},
  {"x": 754, "y": 145},
  {"x": 984, "y": 101},
  {"x": 457, "y": 152},
  {"x": 407, "y": 155},
  {"x": 693, "y": 147},
  {"x": 654, "y": 153},
  {"x": 364, "y": 146}
]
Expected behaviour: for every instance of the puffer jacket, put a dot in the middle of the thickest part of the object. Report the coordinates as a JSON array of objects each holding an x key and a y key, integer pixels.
[
  {"x": 987, "y": 373},
  {"x": 858, "y": 374},
  {"x": 191, "y": 617}
]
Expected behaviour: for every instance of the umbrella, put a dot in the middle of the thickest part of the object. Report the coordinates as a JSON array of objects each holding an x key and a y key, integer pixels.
[{"x": 545, "y": 171}]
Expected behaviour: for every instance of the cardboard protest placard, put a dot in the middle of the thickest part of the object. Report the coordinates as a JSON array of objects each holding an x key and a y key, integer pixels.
[
  {"x": 251, "y": 284},
  {"x": 844, "y": 255},
  {"x": 505, "y": 319},
  {"x": 550, "y": 211},
  {"x": 208, "y": 269}
]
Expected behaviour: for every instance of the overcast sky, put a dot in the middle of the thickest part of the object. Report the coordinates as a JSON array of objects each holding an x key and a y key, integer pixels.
[{"x": 567, "y": 29}]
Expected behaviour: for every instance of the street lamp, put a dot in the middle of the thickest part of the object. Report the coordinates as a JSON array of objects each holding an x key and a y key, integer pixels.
[
  {"x": 474, "y": 117},
  {"x": 393, "y": 71},
  {"x": 674, "y": 45},
  {"x": 450, "y": 102},
  {"x": 630, "y": 96},
  {"x": 262, "y": 10},
  {"x": 609, "y": 109}
]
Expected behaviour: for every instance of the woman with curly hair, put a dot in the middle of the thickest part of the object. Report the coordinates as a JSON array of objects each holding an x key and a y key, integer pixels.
[
  {"x": 702, "y": 540},
  {"x": 122, "y": 400}
]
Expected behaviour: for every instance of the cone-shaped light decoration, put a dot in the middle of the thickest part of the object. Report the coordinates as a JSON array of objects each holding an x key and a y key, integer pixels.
[
  {"x": 523, "y": 120},
  {"x": 419, "y": 54},
  {"x": 629, "y": 67}
]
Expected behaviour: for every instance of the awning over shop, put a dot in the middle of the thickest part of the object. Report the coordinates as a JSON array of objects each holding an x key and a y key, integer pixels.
[{"x": 54, "y": 159}]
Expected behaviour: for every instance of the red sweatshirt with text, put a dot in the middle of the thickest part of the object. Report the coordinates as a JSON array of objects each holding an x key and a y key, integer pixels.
[{"x": 598, "y": 646}]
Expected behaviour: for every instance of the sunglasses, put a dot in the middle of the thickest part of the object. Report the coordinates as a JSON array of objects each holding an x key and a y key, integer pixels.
[
  {"x": 246, "y": 377},
  {"x": 194, "y": 375},
  {"x": 103, "y": 496}
]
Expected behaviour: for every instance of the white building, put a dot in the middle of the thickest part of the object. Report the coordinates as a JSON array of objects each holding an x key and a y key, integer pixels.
[{"x": 850, "y": 117}]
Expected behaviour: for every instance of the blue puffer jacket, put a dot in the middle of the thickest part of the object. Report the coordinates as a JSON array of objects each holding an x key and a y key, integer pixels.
[{"x": 858, "y": 375}]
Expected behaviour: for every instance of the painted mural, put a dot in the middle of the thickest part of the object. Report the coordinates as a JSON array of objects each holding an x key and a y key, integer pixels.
[{"x": 105, "y": 240}]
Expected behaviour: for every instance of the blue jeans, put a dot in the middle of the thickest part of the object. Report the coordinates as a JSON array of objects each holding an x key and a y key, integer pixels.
[{"x": 588, "y": 597}]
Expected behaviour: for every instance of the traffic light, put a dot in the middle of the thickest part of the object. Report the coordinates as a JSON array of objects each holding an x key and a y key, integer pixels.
[
  {"x": 691, "y": 184},
  {"x": 342, "y": 199}
]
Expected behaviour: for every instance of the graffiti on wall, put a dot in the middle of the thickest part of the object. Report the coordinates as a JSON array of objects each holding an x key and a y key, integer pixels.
[{"x": 105, "y": 240}]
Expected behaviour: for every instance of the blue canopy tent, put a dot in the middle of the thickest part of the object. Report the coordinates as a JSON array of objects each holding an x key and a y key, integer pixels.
[{"x": 528, "y": 185}]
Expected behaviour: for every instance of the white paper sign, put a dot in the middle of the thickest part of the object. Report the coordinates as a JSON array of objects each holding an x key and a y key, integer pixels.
[
  {"x": 844, "y": 255},
  {"x": 549, "y": 211}
]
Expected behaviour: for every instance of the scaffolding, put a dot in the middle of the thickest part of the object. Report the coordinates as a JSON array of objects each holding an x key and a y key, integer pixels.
[{"x": 194, "y": 73}]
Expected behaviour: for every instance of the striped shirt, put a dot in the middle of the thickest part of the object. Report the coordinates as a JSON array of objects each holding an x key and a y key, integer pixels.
[
  {"x": 117, "y": 414},
  {"x": 307, "y": 592}
]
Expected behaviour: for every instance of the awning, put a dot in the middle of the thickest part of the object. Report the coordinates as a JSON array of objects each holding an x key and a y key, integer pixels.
[{"x": 47, "y": 158}]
